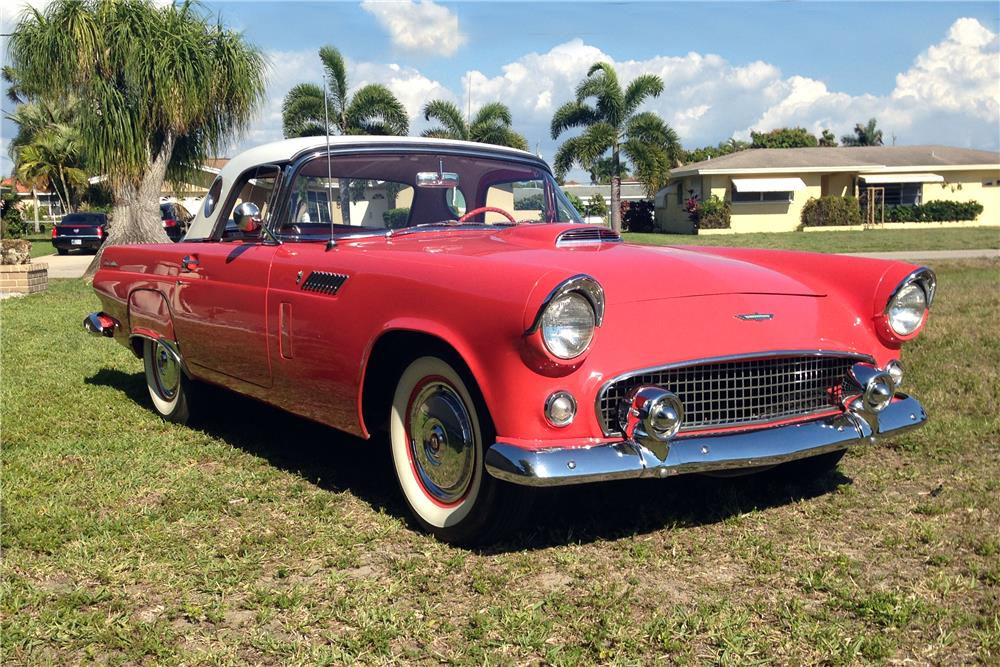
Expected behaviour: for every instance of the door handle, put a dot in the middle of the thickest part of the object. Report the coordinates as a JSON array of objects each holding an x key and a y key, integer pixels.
[{"x": 189, "y": 263}]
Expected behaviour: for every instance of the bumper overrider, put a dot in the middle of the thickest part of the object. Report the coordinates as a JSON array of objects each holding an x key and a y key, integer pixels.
[{"x": 652, "y": 448}]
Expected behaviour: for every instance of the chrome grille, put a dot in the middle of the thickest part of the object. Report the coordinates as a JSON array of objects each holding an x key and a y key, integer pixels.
[{"x": 739, "y": 392}]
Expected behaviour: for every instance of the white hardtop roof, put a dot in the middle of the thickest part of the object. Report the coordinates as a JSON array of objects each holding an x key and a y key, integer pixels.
[
  {"x": 285, "y": 150},
  {"x": 282, "y": 151}
]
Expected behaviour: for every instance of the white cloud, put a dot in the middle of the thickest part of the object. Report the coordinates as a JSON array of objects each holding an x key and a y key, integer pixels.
[
  {"x": 418, "y": 26},
  {"x": 949, "y": 95}
]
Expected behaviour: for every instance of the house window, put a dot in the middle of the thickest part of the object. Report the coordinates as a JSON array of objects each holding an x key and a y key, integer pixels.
[
  {"x": 897, "y": 194},
  {"x": 758, "y": 197}
]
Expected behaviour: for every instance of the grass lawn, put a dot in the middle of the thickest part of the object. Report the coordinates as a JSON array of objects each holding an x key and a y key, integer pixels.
[
  {"x": 258, "y": 537},
  {"x": 41, "y": 244},
  {"x": 874, "y": 240}
]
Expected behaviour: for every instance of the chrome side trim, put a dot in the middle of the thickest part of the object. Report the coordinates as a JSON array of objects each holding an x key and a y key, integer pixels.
[
  {"x": 732, "y": 451},
  {"x": 925, "y": 277},
  {"x": 582, "y": 283},
  {"x": 717, "y": 360}
]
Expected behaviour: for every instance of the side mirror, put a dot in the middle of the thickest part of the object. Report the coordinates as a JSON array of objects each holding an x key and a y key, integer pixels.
[{"x": 247, "y": 217}]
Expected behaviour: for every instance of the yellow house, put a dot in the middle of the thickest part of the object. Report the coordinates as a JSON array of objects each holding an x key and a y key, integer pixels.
[{"x": 768, "y": 187}]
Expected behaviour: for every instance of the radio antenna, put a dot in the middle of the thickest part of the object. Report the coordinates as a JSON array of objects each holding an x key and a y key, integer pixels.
[{"x": 329, "y": 169}]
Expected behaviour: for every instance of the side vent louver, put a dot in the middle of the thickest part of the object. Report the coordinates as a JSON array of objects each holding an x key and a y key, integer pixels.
[
  {"x": 324, "y": 282},
  {"x": 587, "y": 236}
]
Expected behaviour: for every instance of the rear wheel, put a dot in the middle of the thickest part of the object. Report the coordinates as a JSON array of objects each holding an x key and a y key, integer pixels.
[
  {"x": 62, "y": 251},
  {"x": 168, "y": 387},
  {"x": 439, "y": 430}
]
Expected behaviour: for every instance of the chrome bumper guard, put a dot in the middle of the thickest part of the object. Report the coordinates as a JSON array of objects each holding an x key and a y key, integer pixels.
[{"x": 629, "y": 459}]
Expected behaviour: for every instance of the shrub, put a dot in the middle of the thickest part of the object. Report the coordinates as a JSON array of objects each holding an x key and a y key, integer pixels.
[
  {"x": 575, "y": 201},
  {"x": 637, "y": 216},
  {"x": 596, "y": 206},
  {"x": 831, "y": 211},
  {"x": 11, "y": 224},
  {"x": 713, "y": 213},
  {"x": 934, "y": 211},
  {"x": 534, "y": 202},
  {"x": 395, "y": 218}
]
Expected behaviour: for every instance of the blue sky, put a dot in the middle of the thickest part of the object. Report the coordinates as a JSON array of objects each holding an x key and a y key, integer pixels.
[{"x": 930, "y": 71}]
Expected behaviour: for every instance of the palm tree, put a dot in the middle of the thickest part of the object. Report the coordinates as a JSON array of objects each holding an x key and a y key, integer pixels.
[
  {"x": 864, "y": 135},
  {"x": 612, "y": 123},
  {"x": 160, "y": 90},
  {"x": 490, "y": 125},
  {"x": 47, "y": 151},
  {"x": 50, "y": 161},
  {"x": 373, "y": 109}
]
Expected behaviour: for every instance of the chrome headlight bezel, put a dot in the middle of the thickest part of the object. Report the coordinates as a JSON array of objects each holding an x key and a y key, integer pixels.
[
  {"x": 581, "y": 287},
  {"x": 922, "y": 279}
]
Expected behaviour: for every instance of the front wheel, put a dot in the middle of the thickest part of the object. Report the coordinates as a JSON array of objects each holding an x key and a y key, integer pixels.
[
  {"x": 167, "y": 384},
  {"x": 439, "y": 429}
]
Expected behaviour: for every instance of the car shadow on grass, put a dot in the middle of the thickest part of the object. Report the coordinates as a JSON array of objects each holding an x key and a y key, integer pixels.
[{"x": 336, "y": 461}]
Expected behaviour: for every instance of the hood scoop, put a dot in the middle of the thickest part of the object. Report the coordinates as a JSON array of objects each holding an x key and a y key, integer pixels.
[{"x": 586, "y": 236}]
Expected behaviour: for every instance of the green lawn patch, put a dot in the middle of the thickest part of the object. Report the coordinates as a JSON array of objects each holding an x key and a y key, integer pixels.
[
  {"x": 872, "y": 240},
  {"x": 256, "y": 537}
]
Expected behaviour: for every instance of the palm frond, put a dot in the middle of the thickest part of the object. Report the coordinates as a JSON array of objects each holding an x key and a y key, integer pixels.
[
  {"x": 602, "y": 85},
  {"x": 493, "y": 113},
  {"x": 449, "y": 116},
  {"x": 570, "y": 115},
  {"x": 639, "y": 89},
  {"x": 336, "y": 72},
  {"x": 375, "y": 107},
  {"x": 302, "y": 113}
]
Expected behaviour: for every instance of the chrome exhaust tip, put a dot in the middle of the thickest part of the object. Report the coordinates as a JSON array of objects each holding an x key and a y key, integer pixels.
[{"x": 99, "y": 324}]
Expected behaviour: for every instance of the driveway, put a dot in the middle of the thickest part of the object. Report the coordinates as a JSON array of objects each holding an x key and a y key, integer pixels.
[
  {"x": 922, "y": 255},
  {"x": 66, "y": 266}
]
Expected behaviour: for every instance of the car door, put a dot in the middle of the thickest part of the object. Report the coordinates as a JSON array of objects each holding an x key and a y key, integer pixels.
[{"x": 221, "y": 292}]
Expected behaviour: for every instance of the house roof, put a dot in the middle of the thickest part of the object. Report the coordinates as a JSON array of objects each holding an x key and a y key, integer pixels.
[{"x": 843, "y": 158}]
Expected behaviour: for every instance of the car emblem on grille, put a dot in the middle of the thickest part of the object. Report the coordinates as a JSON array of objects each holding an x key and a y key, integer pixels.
[{"x": 755, "y": 317}]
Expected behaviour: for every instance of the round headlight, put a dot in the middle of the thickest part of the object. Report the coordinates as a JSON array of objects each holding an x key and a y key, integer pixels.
[
  {"x": 906, "y": 310},
  {"x": 568, "y": 325}
]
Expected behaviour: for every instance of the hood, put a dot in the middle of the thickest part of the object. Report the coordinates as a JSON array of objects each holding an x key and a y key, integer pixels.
[{"x": 627, "y": 272}]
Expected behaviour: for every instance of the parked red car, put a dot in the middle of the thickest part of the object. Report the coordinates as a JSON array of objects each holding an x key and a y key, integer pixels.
[{"x": 393, "y": 286}]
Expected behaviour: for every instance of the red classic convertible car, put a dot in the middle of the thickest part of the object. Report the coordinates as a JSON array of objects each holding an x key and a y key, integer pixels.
[{"x": 446, "y": 295}]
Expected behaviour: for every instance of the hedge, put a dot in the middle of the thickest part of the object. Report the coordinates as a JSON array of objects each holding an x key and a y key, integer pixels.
[
  {"x": 830, "y": 211},
  {"x": 395, "y": 218},
  {"x": 934, "y": 211},
  {"x": 713, "y": 213}
]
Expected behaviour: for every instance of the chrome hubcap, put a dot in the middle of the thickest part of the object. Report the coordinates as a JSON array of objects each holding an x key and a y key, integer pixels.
[
  {"x": 167, "y": 371},
  {"x": 442, "y": 442}
]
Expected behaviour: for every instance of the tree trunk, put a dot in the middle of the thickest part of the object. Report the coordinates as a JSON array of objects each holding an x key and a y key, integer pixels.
[
  {"x": 69, "y": 202},
  {"x": 616, "y": 192},
  {"x": 344, "y": 185},
  {"x": 135, "y": 217},
  {"x": 34, "y": 195}
]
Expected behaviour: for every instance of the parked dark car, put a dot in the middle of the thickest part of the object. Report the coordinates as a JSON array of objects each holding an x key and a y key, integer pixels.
[
  {"x": 80, "y": 231},
  {"x": 175, "y": 220}
]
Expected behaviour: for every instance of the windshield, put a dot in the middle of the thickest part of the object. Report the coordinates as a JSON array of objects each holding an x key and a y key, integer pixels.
[{"x": 413, "y": 190}]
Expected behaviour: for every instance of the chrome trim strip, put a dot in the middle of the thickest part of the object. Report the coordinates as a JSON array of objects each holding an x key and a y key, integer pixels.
[
  {"x": 718, "y": 360},
  {"x": 747, "y": 449},
  {"x": 582, "y": 283},
  {"x": 925, "y": 277}
]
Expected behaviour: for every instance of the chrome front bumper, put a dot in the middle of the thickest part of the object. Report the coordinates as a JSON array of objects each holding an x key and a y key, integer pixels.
[{"x": 744, "y": 449}]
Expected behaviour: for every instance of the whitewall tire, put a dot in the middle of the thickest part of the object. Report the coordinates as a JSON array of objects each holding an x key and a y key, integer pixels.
[
  {"x": 168, "y": 387},
  {"x": 439, "y": 431}
]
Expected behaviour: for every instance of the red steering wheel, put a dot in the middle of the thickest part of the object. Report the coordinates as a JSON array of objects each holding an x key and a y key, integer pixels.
[{"x": 487, "y": 209}]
